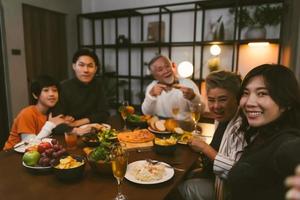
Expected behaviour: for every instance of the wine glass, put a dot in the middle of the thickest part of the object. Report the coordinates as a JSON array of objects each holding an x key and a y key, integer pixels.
[
  {"x": 119, "y": 160},
  {"x": 195, "y": 114},
  {"x": 123, "y": 111}
]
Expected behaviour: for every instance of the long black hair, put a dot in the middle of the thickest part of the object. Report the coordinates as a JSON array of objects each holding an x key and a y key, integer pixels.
[{"x": 283, "y": 89}]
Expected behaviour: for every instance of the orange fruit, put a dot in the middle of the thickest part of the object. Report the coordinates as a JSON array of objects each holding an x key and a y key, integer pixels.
[
  {"x": 129, "y": 109},
  {"x": 171, "y": 124}
]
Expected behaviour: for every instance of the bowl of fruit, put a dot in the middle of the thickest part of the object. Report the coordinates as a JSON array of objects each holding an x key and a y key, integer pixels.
[
  {"x": 70, "y": 168},
  {"x": 43, "y": 157}
]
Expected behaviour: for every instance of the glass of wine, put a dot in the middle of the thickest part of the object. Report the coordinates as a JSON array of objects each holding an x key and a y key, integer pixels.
[
  {"x": 123, "y": 112},
  {"x": 195, "y": 114},
  {"x": 119, "y": 160}
]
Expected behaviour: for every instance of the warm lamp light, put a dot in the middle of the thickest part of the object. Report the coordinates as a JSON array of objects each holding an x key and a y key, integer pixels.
[
  {"x": 258, "y": 44},
  {"x": 215, "y": 50},
  {"x": 185, "y": 69}
]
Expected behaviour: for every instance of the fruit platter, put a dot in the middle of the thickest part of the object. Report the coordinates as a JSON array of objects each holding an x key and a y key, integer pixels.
[{"x": 44, "y": 156}]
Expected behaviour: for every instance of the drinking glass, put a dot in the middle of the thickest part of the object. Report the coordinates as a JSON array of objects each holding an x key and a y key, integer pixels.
[
  {"x": 119, "y": 160},
  {"x": 195, "y": 115},
  {"x": 175, "y": 110},
  {"x": 71, "y": 140},
  {"x": 123, "y": 112}
]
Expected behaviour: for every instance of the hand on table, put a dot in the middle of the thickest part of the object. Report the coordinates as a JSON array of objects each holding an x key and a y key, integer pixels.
[
  {"x": 68, "y": 119},
  {"x": 79, "y": 122},
  {"x": 82, "y": 131},
  {"x": 294, "y": 182},
  {"x": 59, "y": 119}
]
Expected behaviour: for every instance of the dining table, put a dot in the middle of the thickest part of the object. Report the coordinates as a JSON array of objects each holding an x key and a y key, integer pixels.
[{"x": 17, "y": 182}]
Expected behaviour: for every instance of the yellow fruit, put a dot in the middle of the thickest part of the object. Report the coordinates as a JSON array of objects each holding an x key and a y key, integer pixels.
[{"x": 87, "y": 150}]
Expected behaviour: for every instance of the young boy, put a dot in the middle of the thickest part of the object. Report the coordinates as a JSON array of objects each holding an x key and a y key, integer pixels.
[{"x": 35, "y": 121}]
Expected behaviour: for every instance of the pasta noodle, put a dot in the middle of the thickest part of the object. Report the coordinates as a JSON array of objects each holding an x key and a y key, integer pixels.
[{"x": 148, "y": 172}]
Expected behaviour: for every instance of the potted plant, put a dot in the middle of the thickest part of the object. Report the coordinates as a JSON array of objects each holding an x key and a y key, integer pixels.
[{"x": 257, "y": 20}]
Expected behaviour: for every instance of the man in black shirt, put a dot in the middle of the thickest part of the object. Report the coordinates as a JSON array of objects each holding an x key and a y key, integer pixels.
[{"x": 82, "y": 97}]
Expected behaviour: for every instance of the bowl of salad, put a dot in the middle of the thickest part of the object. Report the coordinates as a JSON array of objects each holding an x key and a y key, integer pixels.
[{"x": 135, "y": 121}]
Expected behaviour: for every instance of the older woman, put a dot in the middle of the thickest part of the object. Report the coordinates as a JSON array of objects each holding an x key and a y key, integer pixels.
[{"x": 270, "y": 103}]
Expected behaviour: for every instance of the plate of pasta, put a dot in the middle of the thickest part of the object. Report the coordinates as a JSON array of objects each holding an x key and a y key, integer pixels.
[{"x": 143, "y": 172}]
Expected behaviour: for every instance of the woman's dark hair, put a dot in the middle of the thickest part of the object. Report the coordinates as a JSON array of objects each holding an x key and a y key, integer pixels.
[
  {"x": 283, "y": 89},
  {"x": 85, "y": 52},
  {"x": 41, "y": 82}
]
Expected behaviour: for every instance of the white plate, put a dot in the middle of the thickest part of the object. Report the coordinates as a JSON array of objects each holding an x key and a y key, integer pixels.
[
  {"x": 37, "y": 168},
  {"x": 169, "y": 173},
  {"x": 107, "y": 126},
  {"x": 158, "y": 132},
  {"x": 22, "y": 148}
]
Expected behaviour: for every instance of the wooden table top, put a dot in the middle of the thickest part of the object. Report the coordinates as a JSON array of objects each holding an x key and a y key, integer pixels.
[{"x": 18, "y": 183}]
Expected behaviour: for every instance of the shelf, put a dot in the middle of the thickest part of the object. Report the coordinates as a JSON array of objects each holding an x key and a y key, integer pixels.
[{"x": 103, "y": 28}]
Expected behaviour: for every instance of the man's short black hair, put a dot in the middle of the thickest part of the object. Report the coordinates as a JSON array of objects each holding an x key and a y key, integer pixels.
[
  {"x": 85, "y": 52},
  {"x": 41, "y": 82}
]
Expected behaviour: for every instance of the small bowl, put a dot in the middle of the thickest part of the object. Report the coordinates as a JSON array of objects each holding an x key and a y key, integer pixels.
[
  {"x": 164, "y": 148},
  {"x": 71, "y": 174},
  {"x": 90, "y": 139},
  {"x": 134, "y": 125},
  {"x": 100, "y": 167}
]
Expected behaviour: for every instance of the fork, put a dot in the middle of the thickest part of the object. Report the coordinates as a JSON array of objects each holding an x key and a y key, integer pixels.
[
  {"x": 21, "y": 144},
  {"x": 154, "y": 162}
]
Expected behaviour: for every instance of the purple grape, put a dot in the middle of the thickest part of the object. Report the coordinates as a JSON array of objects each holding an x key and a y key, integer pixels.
[
  {"x": 54, "y": 141},
  {"x": 56, "y": 147}
]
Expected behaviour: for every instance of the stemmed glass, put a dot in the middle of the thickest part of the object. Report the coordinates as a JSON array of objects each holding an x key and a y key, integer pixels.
[
  {"x": 119, "y": 160},
  {"x": 195, "y": 114},
  {"x": 123, "y": 111}
]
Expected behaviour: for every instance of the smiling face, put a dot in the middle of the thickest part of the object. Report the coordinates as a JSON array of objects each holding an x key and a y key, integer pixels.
[
  {"x": 163, "y": 70},
  {"x": 85, "y": 69},
  {"x": 222, "y": 104},
  {"x": 48, "y": 97},
  {"x": 257, "y": 104}
]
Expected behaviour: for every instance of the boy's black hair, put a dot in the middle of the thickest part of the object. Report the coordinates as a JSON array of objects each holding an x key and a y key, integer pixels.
[
  {"x": 39, "y": 83},
  {"x": 85, "y": 52}
]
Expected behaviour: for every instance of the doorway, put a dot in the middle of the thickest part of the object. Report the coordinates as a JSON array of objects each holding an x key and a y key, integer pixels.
[
  {"x": 45, "y": 43},
  {"x": 4, "y": 119}
]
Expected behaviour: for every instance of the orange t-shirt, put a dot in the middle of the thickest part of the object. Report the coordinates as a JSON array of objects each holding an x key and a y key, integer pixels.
[{"x": 29, "y": 121}]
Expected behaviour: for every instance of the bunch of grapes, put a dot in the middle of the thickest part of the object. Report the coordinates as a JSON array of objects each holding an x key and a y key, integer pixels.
[{"x": 51, "y": 156}]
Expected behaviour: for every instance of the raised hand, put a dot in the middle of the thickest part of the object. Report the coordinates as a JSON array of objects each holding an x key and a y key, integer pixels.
[
  {"x": 187, "y": 92},
  {"x": 157, "y": 89}
]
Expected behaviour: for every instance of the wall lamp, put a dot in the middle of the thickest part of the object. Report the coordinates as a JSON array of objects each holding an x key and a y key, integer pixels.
[
  {"x": 185, "y": 69},
  {"x": 258, "y": 44}
]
